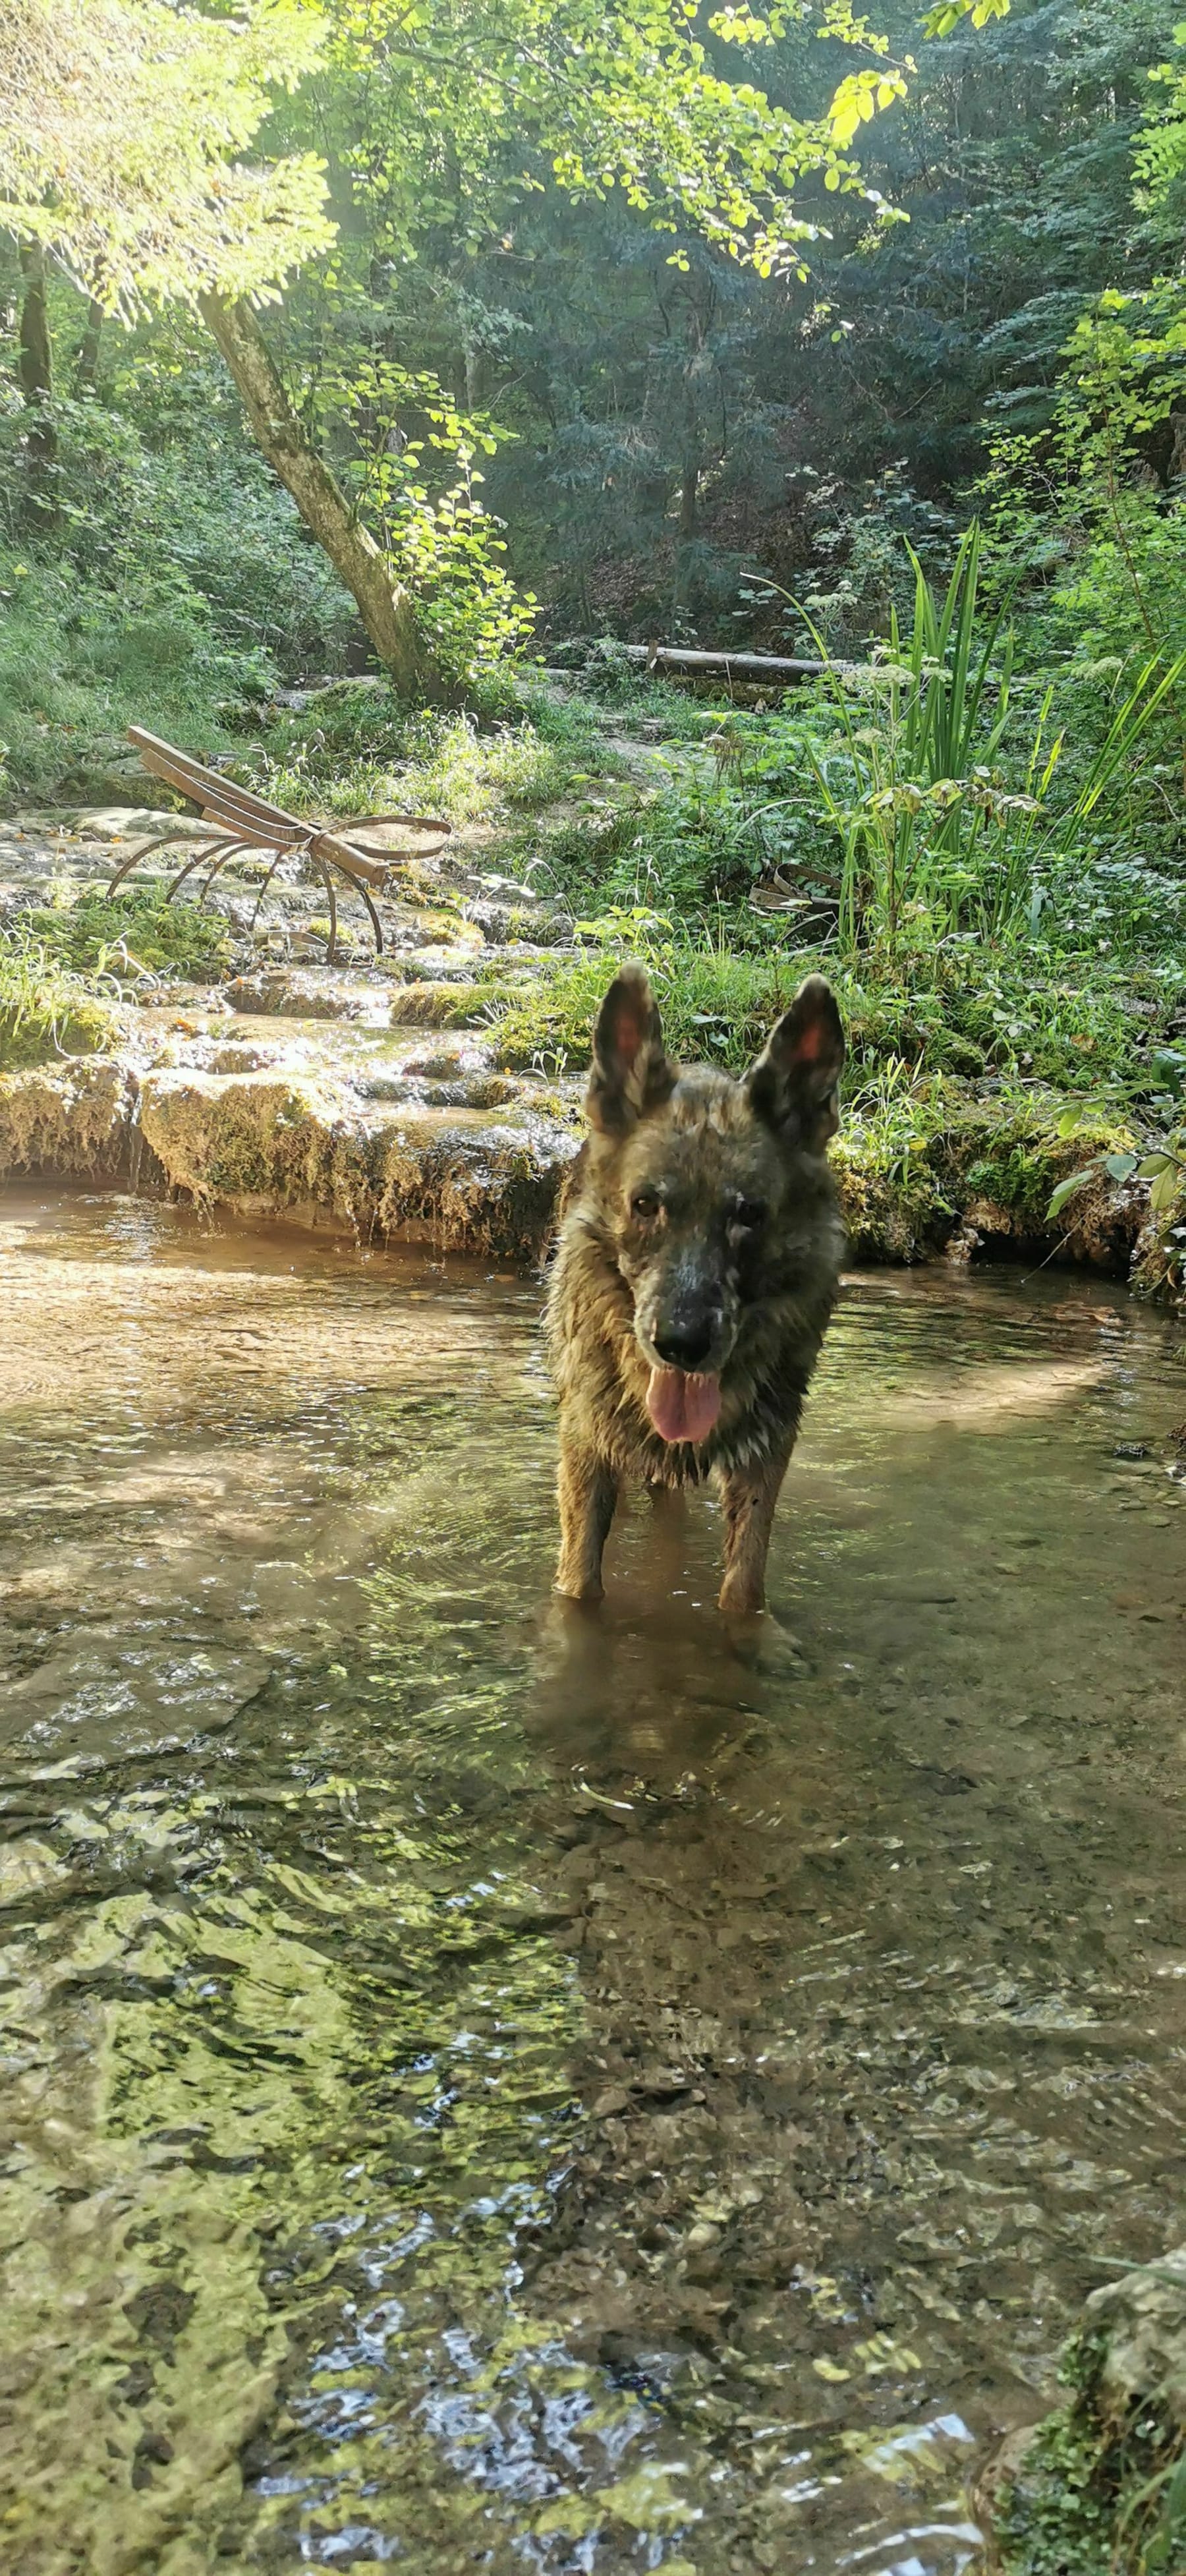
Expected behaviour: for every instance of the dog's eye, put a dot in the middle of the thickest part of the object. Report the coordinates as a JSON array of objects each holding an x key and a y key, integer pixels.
[
  {"x": 644, "y": 1205},
  {"x": 751, "y": 1213}
]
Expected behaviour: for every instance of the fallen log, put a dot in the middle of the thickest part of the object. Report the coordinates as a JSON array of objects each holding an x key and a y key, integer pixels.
[{"x": 740, "y": 666}]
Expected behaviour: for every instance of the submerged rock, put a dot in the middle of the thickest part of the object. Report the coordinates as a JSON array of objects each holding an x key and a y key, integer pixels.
[{"x": 1138, "y": 2329}]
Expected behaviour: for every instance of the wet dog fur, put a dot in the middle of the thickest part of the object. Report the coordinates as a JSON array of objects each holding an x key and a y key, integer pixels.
[{"x": 696, "y": 1269}]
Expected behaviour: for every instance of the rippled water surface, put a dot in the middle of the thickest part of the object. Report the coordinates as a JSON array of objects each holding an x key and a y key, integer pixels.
[{"x": 495, "y": 2088}]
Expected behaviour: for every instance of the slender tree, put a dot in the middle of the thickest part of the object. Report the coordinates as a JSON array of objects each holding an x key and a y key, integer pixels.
[
  {"x": 35, "y": 369},
  {"x": 384, "y": 603}
]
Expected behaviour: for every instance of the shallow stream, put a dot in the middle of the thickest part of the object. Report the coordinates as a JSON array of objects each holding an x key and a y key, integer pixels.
[{"x": 488, "y": 2087}]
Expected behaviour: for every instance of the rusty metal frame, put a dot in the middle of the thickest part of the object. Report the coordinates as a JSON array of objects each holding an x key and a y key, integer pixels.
[{"x": 250, "y": 823}]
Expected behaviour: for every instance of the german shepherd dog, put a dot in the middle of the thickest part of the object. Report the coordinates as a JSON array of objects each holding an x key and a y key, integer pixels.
[{"x": 696, "y": 1270}]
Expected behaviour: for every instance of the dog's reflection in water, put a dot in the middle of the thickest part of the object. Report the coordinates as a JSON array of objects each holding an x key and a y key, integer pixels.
[{"x": 654, "y": 1681}]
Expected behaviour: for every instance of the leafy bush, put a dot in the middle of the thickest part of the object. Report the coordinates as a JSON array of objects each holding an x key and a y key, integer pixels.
[
  {"x": 78, "y": 664},
  {"x": 160, "y": 498},
  {"x": 929, "y": 819}
]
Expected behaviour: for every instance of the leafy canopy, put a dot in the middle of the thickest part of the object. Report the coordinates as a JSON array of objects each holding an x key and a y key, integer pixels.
[
  {"x": 120, "y": 127},
  {"x": 947, "y": 14},
  {"x": 123, "y": 123},
  {"x": 462, "y": 103}
]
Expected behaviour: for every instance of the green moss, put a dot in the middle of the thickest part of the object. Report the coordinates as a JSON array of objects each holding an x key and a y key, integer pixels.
[
  {"x": 1160, "y": 1268},
  {"x": 1013, "y": 1154},
  {"x": 1098, "y": 2490},
  {"x": 1057, "y": 2517},
  {"x": 894, "y": 1208},
  {"x": 65, "y": 1117},
  {"x": 441, "y": 1006},
  {"x": 129, "y": 934}
]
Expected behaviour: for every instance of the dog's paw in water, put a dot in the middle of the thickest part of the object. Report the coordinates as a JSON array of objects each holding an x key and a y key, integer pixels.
[{"x": 759, "y": 1642}]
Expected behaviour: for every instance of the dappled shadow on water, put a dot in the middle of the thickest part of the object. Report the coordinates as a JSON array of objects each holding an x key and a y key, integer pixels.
[{"x": 496, "y": 2086}]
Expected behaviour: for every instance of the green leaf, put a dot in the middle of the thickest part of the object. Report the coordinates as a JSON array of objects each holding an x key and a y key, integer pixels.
[
  {"x": 1067, "y": 1189},
  {"x": 1121, "y": 1166},
  {"x": 947, "y": 14}
]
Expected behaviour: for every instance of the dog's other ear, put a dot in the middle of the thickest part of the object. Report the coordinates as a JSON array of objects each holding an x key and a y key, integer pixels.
[
  {"x": 632, "y": 1072},
  {"x": 793, "y": 1084}
]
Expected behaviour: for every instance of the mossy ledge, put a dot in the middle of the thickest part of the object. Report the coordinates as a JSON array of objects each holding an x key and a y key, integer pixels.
[
  {"x": 262, "y": 1143},
  {"x": 77, "y": 1117},
  {"x": 485, "y": 1171},
  {"x": 1099, "y": 2488}
]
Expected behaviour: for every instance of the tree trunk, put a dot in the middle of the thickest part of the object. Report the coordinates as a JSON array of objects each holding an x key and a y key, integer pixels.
[
  {"x": 689, "y": 486},
  {"x": 86, "y": 364},
  {"x": 34, "y": 368},
  {"x": 689, "y": 495},
  {"x": 384, "y": 606}
]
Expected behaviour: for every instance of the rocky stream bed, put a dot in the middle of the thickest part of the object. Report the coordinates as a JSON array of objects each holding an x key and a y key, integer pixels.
[{"x": 761, "y": 2284}]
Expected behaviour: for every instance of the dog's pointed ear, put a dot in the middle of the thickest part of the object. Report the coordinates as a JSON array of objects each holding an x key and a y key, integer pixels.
[
  {"x": 794, "y": 1082},
  {"x": 632, "y": 1072}
]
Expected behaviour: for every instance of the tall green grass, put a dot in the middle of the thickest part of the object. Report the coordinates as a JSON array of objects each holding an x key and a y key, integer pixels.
[
  {"x": 939, "y": 813},
  {"x": 46, "y": 1012}
]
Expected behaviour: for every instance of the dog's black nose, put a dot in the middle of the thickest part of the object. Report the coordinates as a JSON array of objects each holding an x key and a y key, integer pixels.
[{"x": 685, "y": 1348}]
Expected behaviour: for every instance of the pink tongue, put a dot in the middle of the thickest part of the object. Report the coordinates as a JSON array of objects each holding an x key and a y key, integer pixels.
[{"x": 683, "y": 1407}]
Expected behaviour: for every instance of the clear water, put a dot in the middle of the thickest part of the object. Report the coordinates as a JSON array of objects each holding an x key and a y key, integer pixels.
[{"x": 492, "y": 2087}]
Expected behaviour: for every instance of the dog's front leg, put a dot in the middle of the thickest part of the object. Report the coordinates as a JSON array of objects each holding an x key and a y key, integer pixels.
[
  {"x": 749, "y": 1495},
  {"x": 588, "y": 1492}
]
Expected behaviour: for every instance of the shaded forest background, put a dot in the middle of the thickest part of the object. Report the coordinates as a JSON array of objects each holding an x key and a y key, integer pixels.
[{"x": 671, "y": 441}]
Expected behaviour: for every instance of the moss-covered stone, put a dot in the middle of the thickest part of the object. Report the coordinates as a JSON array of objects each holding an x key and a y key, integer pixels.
[
  {"x": 893, "y": 1206},
  {"x": 439, "y": 1005},
  {"x": 982, "y": 1170},
  {"x": 66, "y": 1118},
  {"x": 490, "y": 1188},
  {"x": 240, "y": 1137},
  {"x": 1099, "y": 2488},
  {"x": 1000, "y": 1163},
  {"x": 1159, "y": 1261},
  {"x": 255, "y": 1141}
]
